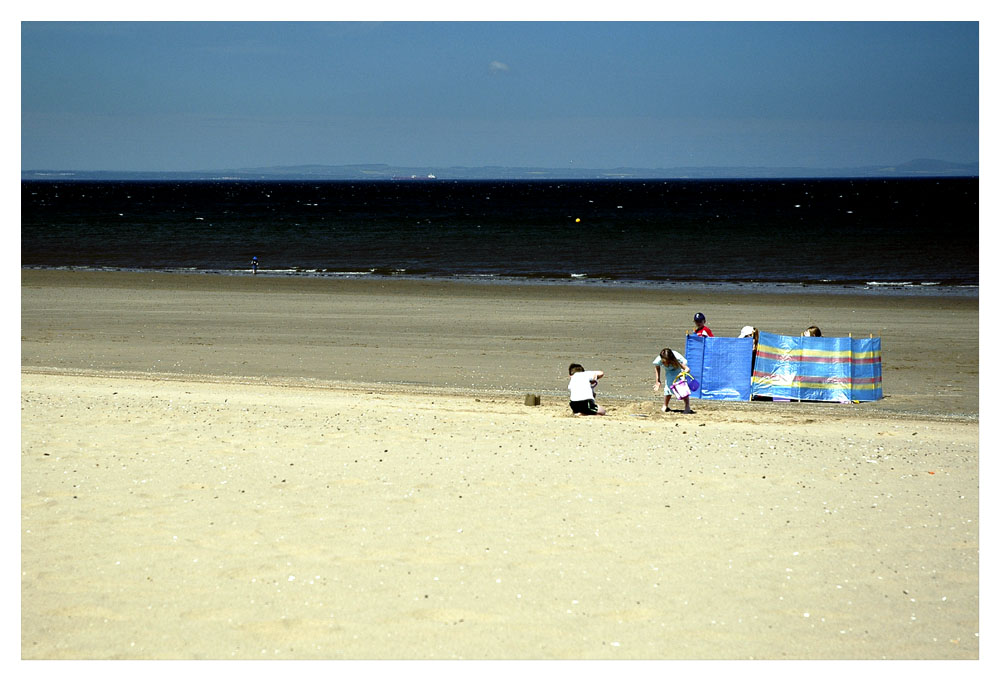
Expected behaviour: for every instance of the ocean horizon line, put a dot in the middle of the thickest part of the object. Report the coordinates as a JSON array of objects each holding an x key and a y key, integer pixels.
[{"x": 923, "y": 168}]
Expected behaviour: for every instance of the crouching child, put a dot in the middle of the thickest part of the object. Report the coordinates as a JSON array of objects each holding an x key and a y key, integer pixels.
[{"x": 581, "y": 391}]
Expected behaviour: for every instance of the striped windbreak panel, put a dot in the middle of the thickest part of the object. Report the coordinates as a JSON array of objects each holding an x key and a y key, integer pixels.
[{"x": 823, "y": 369}]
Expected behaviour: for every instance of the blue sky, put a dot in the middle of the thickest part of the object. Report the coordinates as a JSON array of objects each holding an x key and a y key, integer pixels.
[{"x": 172, "y": 96}]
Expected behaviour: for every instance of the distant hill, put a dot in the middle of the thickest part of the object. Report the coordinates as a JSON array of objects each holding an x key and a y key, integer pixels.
[{"x": 915, "y": 168}]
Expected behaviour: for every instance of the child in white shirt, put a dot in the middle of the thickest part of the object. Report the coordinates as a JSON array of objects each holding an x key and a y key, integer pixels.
[{"x": 581, "y": 391}]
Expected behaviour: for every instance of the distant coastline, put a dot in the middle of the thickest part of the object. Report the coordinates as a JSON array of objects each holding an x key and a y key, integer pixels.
[{"x": 915, "y": 168}]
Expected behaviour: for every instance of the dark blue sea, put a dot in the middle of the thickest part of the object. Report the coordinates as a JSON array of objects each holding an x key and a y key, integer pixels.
[{"x": 918, "y": 236}]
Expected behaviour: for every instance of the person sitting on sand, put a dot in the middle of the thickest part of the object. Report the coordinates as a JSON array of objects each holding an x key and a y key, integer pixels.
[
  {"x": 812, "y": 331},
  {"x": 699, "y": 326},
  {"x": 581, "y": 391},
  {"x": 673, "y": 364}
]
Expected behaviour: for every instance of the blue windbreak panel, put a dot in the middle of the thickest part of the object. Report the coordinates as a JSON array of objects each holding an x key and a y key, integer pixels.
[
  {"x": 722, "y": 366},
  {"x": 694, "y": 353}
]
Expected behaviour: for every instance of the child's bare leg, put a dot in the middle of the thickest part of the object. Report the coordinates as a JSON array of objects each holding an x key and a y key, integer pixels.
[
  {"x": 666, "y": 403},
  {"x": 687, "y": 405}
]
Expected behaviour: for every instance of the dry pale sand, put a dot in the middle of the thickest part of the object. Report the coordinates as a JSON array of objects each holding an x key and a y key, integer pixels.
[{"x": 237, "y": 467}]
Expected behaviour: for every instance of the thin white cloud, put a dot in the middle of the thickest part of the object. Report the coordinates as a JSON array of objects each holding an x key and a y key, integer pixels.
[{"x": 497, "y": 66}]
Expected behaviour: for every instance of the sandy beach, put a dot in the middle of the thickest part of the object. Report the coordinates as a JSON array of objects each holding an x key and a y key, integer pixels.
[{"x": 236, "y": 467}]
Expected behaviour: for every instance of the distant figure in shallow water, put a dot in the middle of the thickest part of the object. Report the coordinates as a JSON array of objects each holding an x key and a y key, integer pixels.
[{"x": 253, "y": 264}]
